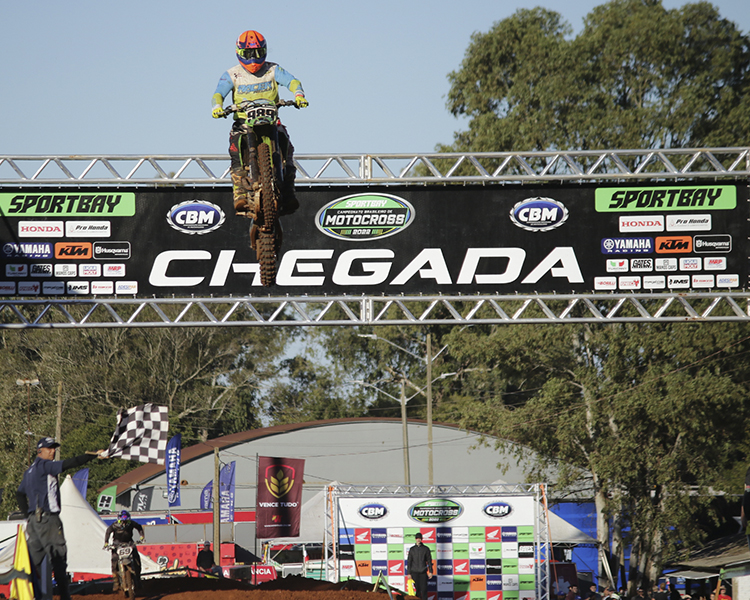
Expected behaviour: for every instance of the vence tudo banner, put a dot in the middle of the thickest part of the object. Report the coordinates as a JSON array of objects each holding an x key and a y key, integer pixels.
[
  {"x": 279, "y": 498},
  {"x": 380, "y": 240}
]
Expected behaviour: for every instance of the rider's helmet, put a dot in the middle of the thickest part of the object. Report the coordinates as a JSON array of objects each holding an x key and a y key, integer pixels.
[
  {"x": 123, "y": 515},
  {"x": 251, "y": 50}
]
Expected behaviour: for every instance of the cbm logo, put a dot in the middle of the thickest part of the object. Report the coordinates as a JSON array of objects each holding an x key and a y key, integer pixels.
[
  {"x": 497, "y": 510},
  {"x": 373, "y": 511},
  {"x": 195, "y": 217},
  {"x": 539, "y": 214}
]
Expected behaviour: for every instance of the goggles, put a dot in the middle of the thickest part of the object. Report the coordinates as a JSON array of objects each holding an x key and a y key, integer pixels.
[{"x": 250, "y": 53}]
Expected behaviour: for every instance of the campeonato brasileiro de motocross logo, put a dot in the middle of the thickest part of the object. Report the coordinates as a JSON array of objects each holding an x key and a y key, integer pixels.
[
  {"x": 439, "y": 510},
  {"x": 363, "y": 217}
]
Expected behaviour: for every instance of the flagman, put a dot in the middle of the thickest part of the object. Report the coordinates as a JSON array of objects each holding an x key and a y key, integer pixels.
[{"x": 38, "y": 497}]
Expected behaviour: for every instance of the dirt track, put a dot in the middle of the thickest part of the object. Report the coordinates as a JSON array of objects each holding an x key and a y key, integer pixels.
[{"x": 289, "y": 588}]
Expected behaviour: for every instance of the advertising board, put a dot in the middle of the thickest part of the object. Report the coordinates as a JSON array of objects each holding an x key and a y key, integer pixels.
[
  {"x": 482, "y": 547},
  {"x": 163, "y": 242}
]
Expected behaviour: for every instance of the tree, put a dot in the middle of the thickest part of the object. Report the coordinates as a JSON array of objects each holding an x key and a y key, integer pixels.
[
  {"x": 211, "y": 379},
  {"x": 637, "y": 76},
  {"x": 638, "y": 407}
]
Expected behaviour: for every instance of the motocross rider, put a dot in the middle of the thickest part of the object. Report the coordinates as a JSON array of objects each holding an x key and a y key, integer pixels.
[
  {"x": 252, "y": 79},
  {"x": 122, "y": 533}
]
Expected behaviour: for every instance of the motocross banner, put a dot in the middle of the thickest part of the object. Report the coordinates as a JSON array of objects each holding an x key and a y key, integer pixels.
[
  {"x": 207, "y": 493},
  {"x": 279, "y": 497},
  {"x": 392, "y": 240},
  {"x": 142, "y": 500},
  {"x": 226, "y": 493},
  {"x": 174, "y": 448}
]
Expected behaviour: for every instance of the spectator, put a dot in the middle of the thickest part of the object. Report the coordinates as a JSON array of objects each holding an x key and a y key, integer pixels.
[
  {"x": 205, "y": 561},
  {"x": 572, "y": 593}
]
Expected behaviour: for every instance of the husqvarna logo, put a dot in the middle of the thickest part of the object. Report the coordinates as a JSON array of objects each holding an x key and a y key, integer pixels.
[
  {"x": 539, "y": 214},
  {"x": 195, "y": 217},
  {"x": 373, "y": 511}
]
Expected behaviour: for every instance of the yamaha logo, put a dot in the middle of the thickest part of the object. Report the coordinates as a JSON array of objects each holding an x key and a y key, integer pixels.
[
  {"x": 539, "y": 214},
  {"x": 195, "y": 217}
]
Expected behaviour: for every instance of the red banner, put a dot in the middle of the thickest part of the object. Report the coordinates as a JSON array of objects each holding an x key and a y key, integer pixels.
[{"x": 279, "y": 498}]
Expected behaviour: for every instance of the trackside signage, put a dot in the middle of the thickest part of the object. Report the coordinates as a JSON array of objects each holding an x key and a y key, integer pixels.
[{"x": 384, "y": 240}]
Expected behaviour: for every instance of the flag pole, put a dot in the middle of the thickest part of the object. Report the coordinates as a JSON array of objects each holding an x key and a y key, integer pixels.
[
  {"x": 217, "y": 521},
  {"x": 255, "y": 529}
]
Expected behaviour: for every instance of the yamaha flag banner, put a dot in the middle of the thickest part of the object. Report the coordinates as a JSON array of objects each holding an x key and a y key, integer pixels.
[
  {"x": 389, "y": 240},
  {"x": 226, "y": 493},
  {"x": 174, "y": 448},
  {"x": 279, "y": 498},
  {"x": 207, "y": 496}
]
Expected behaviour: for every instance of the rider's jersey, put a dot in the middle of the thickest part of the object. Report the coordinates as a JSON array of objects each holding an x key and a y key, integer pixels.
[
  {"x": 122, "y": 531},
  {"x": 255, "y": 86}
]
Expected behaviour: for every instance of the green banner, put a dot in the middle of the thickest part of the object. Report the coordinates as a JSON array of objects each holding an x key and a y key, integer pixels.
[
  {"x": 120, "y": 204},
  {"x": 105, "y": 502},
  {"x": 655, "y": 199}
]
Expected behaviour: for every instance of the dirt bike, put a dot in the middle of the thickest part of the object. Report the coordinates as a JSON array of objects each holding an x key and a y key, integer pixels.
[
  {"x": 126, "y": 572},
  {"x": 263, "y": 162}
]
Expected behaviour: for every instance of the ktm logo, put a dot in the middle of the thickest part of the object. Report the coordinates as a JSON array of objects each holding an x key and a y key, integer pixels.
[
  {"x": 674, "y": 245},
  {"x": 279, "y": 480},
  {"x": 73, "y": 250}
]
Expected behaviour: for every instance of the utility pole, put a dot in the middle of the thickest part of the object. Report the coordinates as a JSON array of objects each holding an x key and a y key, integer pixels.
[
  {"x": 404, "y": 424},
  {"x": 217, "y": 509},
  {"x": 430, "y": 472},
  {"x": 58, "y": 422}
]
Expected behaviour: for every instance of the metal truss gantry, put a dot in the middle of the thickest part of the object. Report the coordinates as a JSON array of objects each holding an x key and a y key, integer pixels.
[
  {"x": 708, "y": 164},
  {"x": 69, "y": 313},
  {"x": 331, "y": 169}
]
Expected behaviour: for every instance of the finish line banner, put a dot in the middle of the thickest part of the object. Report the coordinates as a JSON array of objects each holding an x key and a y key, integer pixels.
[{"x": 377, "y": 240}]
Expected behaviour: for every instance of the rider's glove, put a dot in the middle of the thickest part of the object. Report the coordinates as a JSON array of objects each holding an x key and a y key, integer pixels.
[
  {"x": 300, "y": 101},
  {"x": 217, "y": 112}
]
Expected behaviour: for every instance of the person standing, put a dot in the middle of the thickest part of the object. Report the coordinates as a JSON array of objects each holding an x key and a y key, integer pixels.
[
  {"x": 38, "y": 497},
  {"x": 420, "y": 566}
]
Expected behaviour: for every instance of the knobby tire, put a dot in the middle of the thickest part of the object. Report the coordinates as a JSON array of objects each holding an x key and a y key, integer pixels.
[
  {"x": 128, "y": 583},
  {"x": 266, "y": 243}
]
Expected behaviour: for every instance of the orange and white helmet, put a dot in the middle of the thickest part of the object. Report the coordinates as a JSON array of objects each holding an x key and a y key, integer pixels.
[{"x": 251, "y": 50}]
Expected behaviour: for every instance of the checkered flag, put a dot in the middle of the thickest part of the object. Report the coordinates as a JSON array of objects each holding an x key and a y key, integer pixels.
[{"x": 141, "y": 434}]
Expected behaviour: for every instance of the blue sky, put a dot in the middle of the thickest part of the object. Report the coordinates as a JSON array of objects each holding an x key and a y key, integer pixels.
[{"x": 136, "y": 77}]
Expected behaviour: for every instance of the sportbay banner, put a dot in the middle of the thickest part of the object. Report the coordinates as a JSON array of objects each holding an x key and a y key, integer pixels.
[
  {"x": 378, "y": 239},
  {"x": 279, "y": 497}
]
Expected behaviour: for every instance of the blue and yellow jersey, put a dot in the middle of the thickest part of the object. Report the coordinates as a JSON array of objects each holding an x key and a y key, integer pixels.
[{"x": 254, "y": 86}]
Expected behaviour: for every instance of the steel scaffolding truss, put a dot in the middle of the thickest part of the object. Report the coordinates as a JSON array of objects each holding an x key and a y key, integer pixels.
[
  {"x": 67, "y": 313},
  {"x": 468, "y": 167}
]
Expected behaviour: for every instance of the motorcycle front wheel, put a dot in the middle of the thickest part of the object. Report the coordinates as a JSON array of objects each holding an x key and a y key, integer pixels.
[
  {"x": 267, "y": 244},
  {"x": 128, "y": 586}
]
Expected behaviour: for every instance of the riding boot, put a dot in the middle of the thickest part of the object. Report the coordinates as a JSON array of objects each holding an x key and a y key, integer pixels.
[
  {"x": 241, "y": 200},
  {"x": 289, "y": 202},
  {"x": 116, "y": 583}
]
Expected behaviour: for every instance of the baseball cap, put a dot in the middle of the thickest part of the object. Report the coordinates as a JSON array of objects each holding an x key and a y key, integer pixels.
[{"x": 47, "y": 442}]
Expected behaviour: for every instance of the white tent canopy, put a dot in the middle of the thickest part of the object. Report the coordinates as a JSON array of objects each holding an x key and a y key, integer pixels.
[{"x": 84, "y": 536}]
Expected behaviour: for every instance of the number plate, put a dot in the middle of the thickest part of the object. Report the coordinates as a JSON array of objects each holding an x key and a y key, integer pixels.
[
  {"x": 124, "y": 551},
  {"x": 260, "y": 112}
]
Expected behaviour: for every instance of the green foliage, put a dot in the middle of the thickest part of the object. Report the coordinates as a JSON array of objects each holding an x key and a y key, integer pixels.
[
  {"x": 636, "y": 76},
  {"x": 211, "y": 379}
]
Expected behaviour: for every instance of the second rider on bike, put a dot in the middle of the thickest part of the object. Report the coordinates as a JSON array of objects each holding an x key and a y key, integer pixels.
[
  {"x": 122, "y": 533},
  {"x": 253, "y": 79}
]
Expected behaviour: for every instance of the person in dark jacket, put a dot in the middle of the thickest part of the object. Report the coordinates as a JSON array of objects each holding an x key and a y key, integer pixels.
[
  {"x": 420, "y": 566},
  {"x": 122, "y": 533},
  {"x": 38, "y": 497}
]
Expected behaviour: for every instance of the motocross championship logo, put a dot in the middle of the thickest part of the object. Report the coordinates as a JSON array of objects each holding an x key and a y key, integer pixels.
[
  {"x": 279, "y": 479},
  {"x": 364, "y": 217}
]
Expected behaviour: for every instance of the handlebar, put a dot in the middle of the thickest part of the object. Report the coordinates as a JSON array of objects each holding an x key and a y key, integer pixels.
[{"x": 233, "y": 108}]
